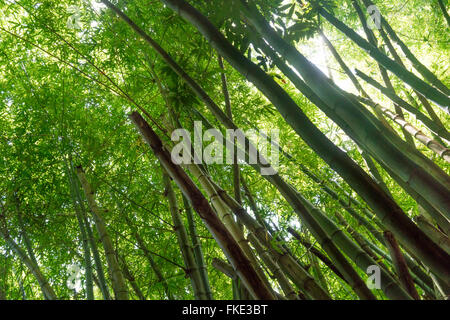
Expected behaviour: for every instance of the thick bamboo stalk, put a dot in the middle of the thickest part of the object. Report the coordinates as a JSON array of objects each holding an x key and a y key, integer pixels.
[
  {"x": 400, "y": 265},
  {"x": 436, "y": 235},
  {"x": 198, "y": 252},
  {"x": 236, "y": 256},
  {"x": 225, "y": 268},
  {"x": 444, "y": 11},
  {"x": 117, "y": 280},
  {"x": 192, "y": 269}
]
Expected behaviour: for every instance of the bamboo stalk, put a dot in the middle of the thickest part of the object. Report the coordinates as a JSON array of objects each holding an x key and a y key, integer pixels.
[
  {"x": 149, "y": 257},
  {"x": 192, "y": 269},
  {"x": 44, "y": 285},
  {"x": 274, "y": 268},
  {"x": 198, "y": 252},
  {"x": 308, "y": 246},
  {"x": 431, "y": 144},
  {"x": 117, "y": 280},
  {"x": 422, "y": 99},
  {"x": 400, "y": 265},
  {"x": 236, "y": 256},
  {"x": 405, "y": 105},
  {"x": 131, "y": 279},
  {"x": 436, "y": 235},
  {"x": 444, "y": 11},
  {"x": 422, "y": 69},
  {"x": 84, "y": 238}
]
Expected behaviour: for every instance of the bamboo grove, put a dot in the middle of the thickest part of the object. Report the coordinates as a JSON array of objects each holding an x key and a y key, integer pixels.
[{"x": 94, "y": 207}]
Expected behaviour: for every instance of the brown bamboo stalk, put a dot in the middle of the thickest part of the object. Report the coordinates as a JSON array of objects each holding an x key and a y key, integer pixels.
[
  {"x": 117, "y": 279},
  {"x": 235, "y": 255},
  {"x": 400, "y": 265}
]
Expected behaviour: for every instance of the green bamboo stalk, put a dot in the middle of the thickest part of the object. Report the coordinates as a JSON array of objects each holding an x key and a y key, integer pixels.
[
  {"x": 93, "y": 246},
  {"x": 317, "y": 271},
  {"x": 373, "y": 40},
  {"x": 422, "y": 99},
  {"x": 46, "y": 289},
  {"x": 374, "y": 172},
  {"x": 96, "y": 255},
  {"x": 310, "y": 247},
  {"x": 358, "y": 239},
  {"x": 187, "y": 252},
  {"x": 274, "y": 268},
  {"x": 198, "y": 252},
  {"x": 4, "y": 271},
  {"x": 343, "y": 65},
  {"x": 148, "y": 255},
  {"x": 400, "y": 265},
  {"x": 236, "y": 256},
  {"x": 129, "y": 276},
  {"x": 405, "y": 105},
  {"x": 444, "y": 11},
  {"x": 436, "y": 235},
  {"x": 430, "y": 143},
  {"x": 117, "y": 280},
  {"x": 84, "y": 238}
]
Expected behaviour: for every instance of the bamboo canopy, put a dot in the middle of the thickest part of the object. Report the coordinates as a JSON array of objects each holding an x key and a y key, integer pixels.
[{"x": 224, "y": 150}]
